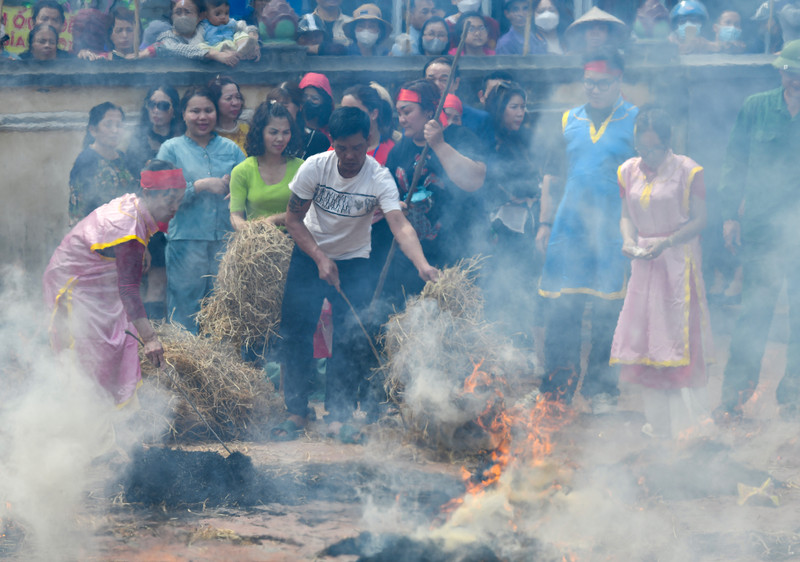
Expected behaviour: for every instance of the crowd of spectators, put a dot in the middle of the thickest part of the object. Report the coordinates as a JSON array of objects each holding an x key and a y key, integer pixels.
[
  {"x": 205, "y": 29},
  {"x": 573, "y": 214}
]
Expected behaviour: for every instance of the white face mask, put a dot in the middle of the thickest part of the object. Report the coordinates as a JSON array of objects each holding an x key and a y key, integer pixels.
[
  {"x": 434, "y": 45},
  {"x": 468, "y": 5},
  {"x": 546, "y": 21},
  {"x": 184, "y": 25},
  {"x": 367, "y": 37}
]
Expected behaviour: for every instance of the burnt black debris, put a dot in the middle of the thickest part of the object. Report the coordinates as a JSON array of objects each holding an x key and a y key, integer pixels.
[
  {"x": 176, "y": 478},
  {"x": 370, "y": 547}
]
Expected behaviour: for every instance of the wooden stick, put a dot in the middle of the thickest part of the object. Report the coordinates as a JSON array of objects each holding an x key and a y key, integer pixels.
[
  {"x": 136, "y": 29},
  {"x": 361, "y": 325},
  {"x": 768, "y": 34},
  {"x": 418, "y": 168},
  {"x": 526, "y": 46}
]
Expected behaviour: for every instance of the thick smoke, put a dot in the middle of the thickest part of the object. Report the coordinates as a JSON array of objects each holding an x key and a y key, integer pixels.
[{"x": 57, "y": 429}]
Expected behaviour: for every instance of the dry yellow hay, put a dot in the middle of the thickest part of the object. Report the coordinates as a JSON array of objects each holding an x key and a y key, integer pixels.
[
  {"x": 431, "y": 348},
  {"x": 456, "y": 292},
  {"x": 245, "y": 306},
  {"x": 235, "y": 398}
]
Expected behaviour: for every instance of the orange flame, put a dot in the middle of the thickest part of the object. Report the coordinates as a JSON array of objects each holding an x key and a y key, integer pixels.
[{"x": 518, "y": 434}]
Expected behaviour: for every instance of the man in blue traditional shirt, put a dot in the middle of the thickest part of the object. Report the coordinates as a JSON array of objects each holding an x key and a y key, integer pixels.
[{"x": 584, "y": 263}]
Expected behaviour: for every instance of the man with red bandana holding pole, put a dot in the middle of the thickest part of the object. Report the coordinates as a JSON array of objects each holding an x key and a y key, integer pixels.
[
  {"x": 91, "y": 284},
  {"x": 584, "y": 263}
]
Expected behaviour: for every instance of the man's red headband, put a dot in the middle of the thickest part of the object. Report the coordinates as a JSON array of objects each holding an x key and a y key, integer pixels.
[
  {"x": 602, "y": 67},
  {"x": 452, "y": 102},
  {"x": 408, "y": 95},
  {"x": 163, "y": 179}
]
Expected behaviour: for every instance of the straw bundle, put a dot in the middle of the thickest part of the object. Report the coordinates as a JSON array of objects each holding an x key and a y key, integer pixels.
[
  {"x": 245, "y": 306},
  {"x": 432, "y": 347},
  {"x": 456, "y": 292},
  {"x": 235, "y": 398}
]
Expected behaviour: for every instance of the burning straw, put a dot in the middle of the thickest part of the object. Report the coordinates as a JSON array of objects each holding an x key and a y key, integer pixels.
[
  {"x": 245, "y": 306},
  {"x": 234, "y": 397},
  {"x": 432, "y": 348}
]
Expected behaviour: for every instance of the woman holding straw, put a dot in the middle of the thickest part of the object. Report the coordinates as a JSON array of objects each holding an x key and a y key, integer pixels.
[{"x": 92, "y": 282}]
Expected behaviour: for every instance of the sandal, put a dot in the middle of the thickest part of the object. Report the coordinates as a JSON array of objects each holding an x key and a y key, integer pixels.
[{"x": 286, "y": 431}]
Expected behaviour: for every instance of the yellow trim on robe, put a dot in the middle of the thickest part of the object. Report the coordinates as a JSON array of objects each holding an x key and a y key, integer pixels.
[
  {"x": 117, "y": 242},
  {"x": 644, "y": 198},
  {"x": 688, "y": 191},
  {"x": 619, "y": 178},
  {"x": 564, "y": 119},
  {"x": 595, "y": 134},
  {"x": 65, "y": 290},
  {"x": 704, "y": 319},
  {"x": 133, "y": 397}
]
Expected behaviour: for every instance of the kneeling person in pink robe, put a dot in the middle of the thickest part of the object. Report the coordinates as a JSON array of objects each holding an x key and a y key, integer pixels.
[
  {"x": 663, "y": 337},
  {"x": 91, "y": 284}
]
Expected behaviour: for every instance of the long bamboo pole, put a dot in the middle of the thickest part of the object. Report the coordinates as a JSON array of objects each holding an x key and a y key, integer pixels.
[
  {"x": 526, "y": 45},
  {"x": 137, "y": 25},
  {"x": 418, "y": 169}
]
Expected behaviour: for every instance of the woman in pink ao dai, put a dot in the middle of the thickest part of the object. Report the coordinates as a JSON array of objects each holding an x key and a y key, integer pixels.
[{"x": 663, "y": 337}]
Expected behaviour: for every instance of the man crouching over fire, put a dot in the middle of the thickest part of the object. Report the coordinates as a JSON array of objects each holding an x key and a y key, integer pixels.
[{"x": 329, "y": 215}]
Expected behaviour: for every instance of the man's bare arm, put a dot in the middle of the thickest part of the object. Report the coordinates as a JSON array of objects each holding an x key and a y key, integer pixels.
[{"x": 296, "y": 211}]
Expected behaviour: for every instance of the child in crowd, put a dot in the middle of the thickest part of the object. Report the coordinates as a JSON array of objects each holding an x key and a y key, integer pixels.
[{"x": 223, "y": 33}]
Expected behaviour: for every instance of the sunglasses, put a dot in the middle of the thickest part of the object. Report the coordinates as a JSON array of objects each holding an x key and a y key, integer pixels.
[
  {"x": 600, "y": 85},
  {"x": 159, "y": 105}
]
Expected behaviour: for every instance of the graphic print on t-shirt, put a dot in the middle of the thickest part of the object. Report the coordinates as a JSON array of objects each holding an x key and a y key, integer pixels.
[{"x": 343, "y": 204}]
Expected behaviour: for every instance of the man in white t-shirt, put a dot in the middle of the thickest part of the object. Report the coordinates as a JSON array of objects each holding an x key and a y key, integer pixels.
[{"x": 329, "y": 216}]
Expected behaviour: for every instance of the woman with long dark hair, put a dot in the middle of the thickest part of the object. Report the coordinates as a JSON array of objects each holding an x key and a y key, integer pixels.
[
  {"x": 260, "y": 184},
  {"x": 99, "y": 173},
  {"x": 159, "y": 120},
  {"x": 512, "y": 196}
]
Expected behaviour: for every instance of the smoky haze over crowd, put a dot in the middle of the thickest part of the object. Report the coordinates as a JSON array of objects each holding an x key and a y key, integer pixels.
[{"x": 585, "y": 294}]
